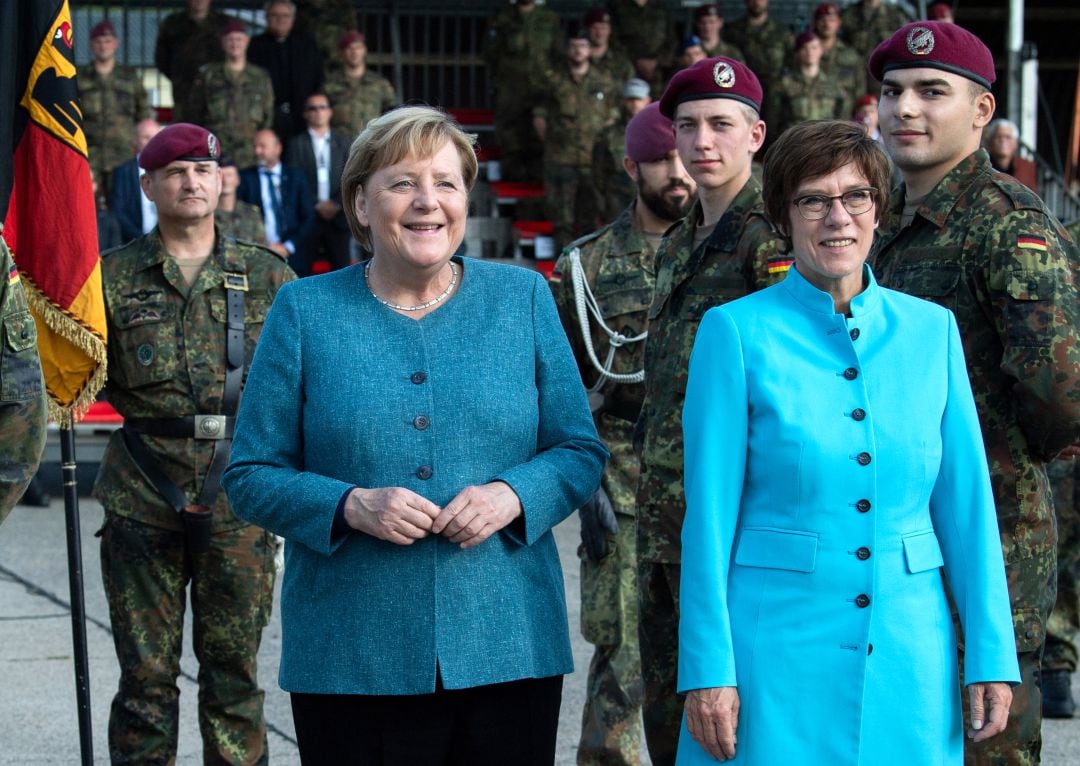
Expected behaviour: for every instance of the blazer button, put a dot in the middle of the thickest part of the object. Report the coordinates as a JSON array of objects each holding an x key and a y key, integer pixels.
[
  {"x": 420, "y": 422},
  {"x": 854, "y": 333},
  {"x": 863, "y": 458},
  {"x": 863, "y": 505},
  {"x": 869, "y": 649},
  {"x": 851, "y": 373},
  {"x": 858, "y": 413},
  {"x": 418, "y": 377},
  {"x": 863, "y": 553},
  {"x": 862, "y": 601},
  {"x": 424, "y": 472}
]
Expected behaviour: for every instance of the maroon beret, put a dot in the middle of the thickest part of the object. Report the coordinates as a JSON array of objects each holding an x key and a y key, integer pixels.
[
  {"x": 867, "y": 100},
  {"x": 102, "y": 28},
  {"x": 804, "y": 38},
  {"x": 649, "y": 135},
  {"x": 709, "y": 9},
  {"x": 826, "y": 9},
  {"x": 182, "y": 141},
  {"x": 233, "y": 26},
  {"x": 597, "y": 15},
  {"x": 350, "y": 37},
  {"x": 718, "y": 77},
  {"x": 935, "y": 45}
]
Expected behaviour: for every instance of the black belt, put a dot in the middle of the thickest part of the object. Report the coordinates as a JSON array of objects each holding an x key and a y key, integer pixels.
[{"x": 189, "y": 427}]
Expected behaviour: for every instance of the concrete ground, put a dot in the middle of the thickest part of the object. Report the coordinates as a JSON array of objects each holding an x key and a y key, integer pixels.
[{"x": 38, "y": 718}]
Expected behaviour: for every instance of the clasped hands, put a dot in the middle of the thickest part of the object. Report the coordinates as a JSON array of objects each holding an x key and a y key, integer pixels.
[
  {"x": 712, "y": 715},
  {"x": 401, "y": 516}
]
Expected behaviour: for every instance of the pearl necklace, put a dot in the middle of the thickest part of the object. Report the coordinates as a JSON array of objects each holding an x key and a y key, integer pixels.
[{"x": 420, "y": 307}]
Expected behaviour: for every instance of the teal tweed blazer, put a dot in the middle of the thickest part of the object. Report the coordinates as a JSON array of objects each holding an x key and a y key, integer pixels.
[{"x": 337, "y": 397}]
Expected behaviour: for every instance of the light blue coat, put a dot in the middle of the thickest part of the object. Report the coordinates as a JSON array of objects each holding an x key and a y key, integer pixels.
[
  {"x": 331, "y": 403},
  {"x": 828, "y": 479}
]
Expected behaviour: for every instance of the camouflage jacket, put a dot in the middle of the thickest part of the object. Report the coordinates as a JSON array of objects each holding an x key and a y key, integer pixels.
[
  {"x": 985, "y": 246},
  {"x": 356, "y": 102},
  {"x": 843, "y": 64},
  {"x": 617, "y": 261},
  {"x": 183, "y": 46},
  {"x": 863, "y": 28},
  {"x": 740, "y": 257},
  {"x": 794, "y": 98},
  {"x": 616, "y": 63},
  {"x": 643, "y": 31},
  {"x": 244, "y": 222},
  {"x": 326, "y": 22},
  {"x": 23, "y": 411},
  {"x": 521, "y": 45},
  {"x": 724, "y": 48},
  {"x": 615, "y": 189},
  {"x": 765, "y": 47},
  {"x": 576, "y": 112},
  {"x": 167, "y": 359},
  {"x": 110, "y": 108},
  {"x": 234, "y": 106}
]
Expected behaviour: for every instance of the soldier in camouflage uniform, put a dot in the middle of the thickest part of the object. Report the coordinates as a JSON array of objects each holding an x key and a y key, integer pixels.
[
  {"x": 1059, "y": 657},
  {"x": 978, "y": 242},
  {"x": 709, "y": 24},
  {"x": 22, "y": 393},
  {"x": 764, "y": 42},
  {"x": 645, "y": 31},
  {"x": 186, "y": 40},
  {"x": 112, "y": 99},
  {"x": 807, "y": 92},
  {"x": 841, "y": 62},
  {"x": 866, "y": 23},
  {"x": 604, "y": 53},
  {"x": 614, "y": 187},
  {"x": 169, "y": 298},
  {"x": 723, "y": 250},
  {"x": 234, "y": 217},
  {"x": 522, "y": 41},
  {"x": 233, "y": 99},
  {"x": 577, "y": 104},
  {"x": 357, "y": 94},
  {"x": 616, "y": 264},
  {"x": 326, "y": 21}
]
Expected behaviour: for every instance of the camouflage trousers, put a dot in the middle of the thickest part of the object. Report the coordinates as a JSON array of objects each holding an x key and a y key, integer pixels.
[
  {"x": 571, "y": 202},
  {"x": 146, "y": 572},
  {"x": 1060, "y": 652},
  {"x": 658, "y": 633},
  {"x": 610, "y": 721}
]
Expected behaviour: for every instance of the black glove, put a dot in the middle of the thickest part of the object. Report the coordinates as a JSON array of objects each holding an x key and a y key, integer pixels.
[{"x": 597, "y": 522}]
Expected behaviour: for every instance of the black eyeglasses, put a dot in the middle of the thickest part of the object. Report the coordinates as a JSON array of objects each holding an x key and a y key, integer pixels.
[{"x": 814, "y": 207}]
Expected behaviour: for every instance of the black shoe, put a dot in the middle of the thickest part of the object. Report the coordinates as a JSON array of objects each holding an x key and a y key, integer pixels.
[{"x": 1057, "y": 700}]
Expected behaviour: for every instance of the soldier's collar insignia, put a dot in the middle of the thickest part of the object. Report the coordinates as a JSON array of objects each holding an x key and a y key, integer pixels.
[
  {"x": 920, "y": 41},
  {"x": 723, "y": 74}
]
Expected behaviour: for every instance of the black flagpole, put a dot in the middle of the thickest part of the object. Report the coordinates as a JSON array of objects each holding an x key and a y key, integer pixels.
[{"x": 78, "y": 600}]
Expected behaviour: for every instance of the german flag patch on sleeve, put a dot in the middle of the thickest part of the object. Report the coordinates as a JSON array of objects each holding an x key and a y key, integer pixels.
[{"x": 1031, "y": 242}]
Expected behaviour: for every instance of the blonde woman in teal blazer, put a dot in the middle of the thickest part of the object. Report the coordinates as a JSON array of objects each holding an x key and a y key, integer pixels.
[
  {"x": 414, "y": 427},
  {"x": 835, "y": 480}
]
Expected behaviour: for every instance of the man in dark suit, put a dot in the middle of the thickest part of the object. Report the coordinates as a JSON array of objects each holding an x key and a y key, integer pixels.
[
  {"x": 132, "y": 210},
  {"x": 281, "y": 192},
  {"x": 294, "y": 63},
  {"x": 321, "y": 153}
]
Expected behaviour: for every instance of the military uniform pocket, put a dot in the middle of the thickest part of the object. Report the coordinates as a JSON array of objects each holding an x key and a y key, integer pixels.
[
  {"x": 143, "y": 345},
  {"x": 1029, "y": 309},
  {"x": 20, "y": 370}
]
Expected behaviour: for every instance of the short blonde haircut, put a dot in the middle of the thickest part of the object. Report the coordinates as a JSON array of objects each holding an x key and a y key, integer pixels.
[{"x": 408, "y": 131}]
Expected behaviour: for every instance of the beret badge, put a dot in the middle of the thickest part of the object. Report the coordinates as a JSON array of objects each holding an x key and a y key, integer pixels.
[
  {"x": 920, "y": 41},
  {"x": 212, "y": 145},
  {"x": 724, "y": 75}
]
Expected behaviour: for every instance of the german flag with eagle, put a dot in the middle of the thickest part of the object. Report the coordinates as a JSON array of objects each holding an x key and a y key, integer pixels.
[{"x": 47, "y": 201}]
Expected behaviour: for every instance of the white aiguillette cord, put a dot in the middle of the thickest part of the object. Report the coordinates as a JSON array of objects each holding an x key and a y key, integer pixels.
[{"x": 586, "y": 304}]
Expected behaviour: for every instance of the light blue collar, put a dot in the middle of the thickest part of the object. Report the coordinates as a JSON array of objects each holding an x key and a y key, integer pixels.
[{"x": 821, "y": 302}]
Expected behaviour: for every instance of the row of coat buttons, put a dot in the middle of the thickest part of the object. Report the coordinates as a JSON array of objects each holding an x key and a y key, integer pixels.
[{"x": 421, "y": 422}]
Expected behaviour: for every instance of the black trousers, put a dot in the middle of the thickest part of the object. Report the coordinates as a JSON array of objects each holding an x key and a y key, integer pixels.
[{"x": 509, "y": 724}]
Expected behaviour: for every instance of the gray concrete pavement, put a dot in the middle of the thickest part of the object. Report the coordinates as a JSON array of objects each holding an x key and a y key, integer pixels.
[{"x": 38, "y": 718}]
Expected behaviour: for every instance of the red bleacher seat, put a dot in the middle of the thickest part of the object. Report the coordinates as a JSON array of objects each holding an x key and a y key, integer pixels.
[{"x": 506, "y": 190}]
